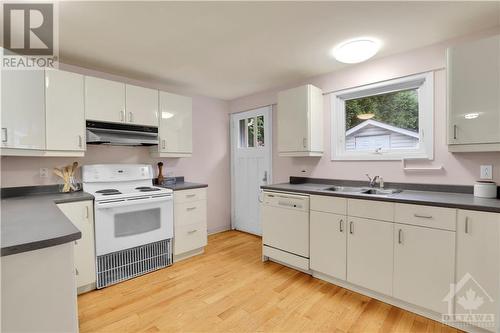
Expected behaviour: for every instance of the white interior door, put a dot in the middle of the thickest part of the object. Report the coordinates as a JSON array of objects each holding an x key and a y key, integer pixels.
[{"x": 251, "y": 142}]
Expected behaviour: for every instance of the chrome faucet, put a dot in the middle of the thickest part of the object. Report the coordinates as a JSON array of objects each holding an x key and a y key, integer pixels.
[{"x": 373, "y": 181}]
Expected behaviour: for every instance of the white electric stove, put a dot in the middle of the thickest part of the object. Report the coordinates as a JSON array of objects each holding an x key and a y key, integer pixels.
[{"x": 133, "y": 221}]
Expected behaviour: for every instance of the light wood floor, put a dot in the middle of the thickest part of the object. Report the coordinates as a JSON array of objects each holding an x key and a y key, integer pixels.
[{"x": 229, "y": 289}]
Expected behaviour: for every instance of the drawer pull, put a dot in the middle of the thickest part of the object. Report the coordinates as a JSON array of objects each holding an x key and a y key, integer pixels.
[
  {"x": 400, "y": 236},
  {"x": 423, "y": 216},
  {"x": 190, "y": 195},
  {"x": 5, "y": 137},
  {"x": 191, "y": 208},
  {"x": 87, "y": 215},
  {"x": 192, "y": 231},
  {"x": 341, "y": 225},
  {"x": 467, "y": 225},
  {"x": 351, "y": 227}
]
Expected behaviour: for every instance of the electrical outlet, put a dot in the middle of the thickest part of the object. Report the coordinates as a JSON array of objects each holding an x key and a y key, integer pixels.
[
  {"x": 486, "y": 172},
  {"x": 44, "y": 173}
]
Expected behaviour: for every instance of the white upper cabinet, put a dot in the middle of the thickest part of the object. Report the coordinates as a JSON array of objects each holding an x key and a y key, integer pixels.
[
  {"x": 141, "y": 106},
  {"x": 474, "y": 95},
  {"x": 23, "y": 112},
  {"x": 64, "y": 111},
  {"x": 300, "y": 121},
  {"x": 104, "y": 100},
  {"x": 176, "y": 123},
  {"x": 478, "y": 263}
]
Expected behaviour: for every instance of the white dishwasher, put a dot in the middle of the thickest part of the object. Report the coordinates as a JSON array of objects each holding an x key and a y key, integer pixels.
[{"x": 285, "y": 228}]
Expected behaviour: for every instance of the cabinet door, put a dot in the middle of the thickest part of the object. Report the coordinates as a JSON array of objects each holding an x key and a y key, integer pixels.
[
  {"x": 328, "y": 244},
  {"x": 23, "y": 109},
  {"x": 424, "y": 265},
  {"x": 370, "y": 254},
  {"x": 104, "y": 100},
  {"x": 293, "y": 122},
  {"x": 64, "y": 110},
  {"x": 142, "y": 105},
  {"x": 478, "y": 260},
  {"x": 81, "y": 214},
  {"x": 176, "y": 123},
  {"x": 474, "y": 90}
]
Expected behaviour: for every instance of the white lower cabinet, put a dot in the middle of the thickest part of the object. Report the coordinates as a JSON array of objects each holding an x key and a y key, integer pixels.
[
  {"x": 328, "y": 244},
  {"x": 81, "y": 214},
  {"x": 424, "y": 265},
  {"x": 478, "y": 260},
  {"x": 190, "y": 222},
  {"x": 370, "y": 254}
]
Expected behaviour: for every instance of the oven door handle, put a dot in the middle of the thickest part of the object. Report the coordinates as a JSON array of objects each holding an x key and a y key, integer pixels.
[{"x": 130, "y": 202}]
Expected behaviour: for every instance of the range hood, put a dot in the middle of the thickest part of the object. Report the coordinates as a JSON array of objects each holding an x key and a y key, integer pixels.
[{"x": 121, "y": 134}]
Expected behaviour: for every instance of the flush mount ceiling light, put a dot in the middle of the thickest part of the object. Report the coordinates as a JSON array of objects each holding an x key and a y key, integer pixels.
[{"x": 356, "y": 50}]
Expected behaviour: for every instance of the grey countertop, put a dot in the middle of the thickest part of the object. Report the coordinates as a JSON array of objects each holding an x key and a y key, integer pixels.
[
  {"x": 33, "y": 222},
  {"x": 440, "y": 199},
  {"x": 179, "y": 186}
]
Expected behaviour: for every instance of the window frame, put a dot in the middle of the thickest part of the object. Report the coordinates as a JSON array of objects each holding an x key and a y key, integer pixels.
[{"x": 424, "y": 83}]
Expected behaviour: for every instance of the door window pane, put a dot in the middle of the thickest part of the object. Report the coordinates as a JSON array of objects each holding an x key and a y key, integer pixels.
[
  {"x": 251, "y": 132},
  {"x": 243, "y": 133},
  {"x": 260, "y": 131}
]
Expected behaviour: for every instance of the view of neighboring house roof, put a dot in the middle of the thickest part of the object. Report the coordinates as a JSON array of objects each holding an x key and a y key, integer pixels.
[{"x": 381, "y": 125}]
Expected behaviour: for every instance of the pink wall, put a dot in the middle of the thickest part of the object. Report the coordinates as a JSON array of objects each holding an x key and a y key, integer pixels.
[
  {"x": 462, "y": 168},
  {"x": 209, "y": 163}
]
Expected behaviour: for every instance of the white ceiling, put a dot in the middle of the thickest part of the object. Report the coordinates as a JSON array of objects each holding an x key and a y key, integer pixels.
[{"x": 231, "y": 49}]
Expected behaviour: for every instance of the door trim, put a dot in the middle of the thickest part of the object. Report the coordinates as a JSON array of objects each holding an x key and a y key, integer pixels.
[{"x": 269, "y": 109}]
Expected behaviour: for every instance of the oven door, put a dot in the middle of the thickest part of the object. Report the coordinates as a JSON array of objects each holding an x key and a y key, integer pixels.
[{"x": 126, "y": 223}]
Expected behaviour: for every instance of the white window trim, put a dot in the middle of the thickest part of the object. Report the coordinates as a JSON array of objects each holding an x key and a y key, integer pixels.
[{"x": 425, "y": 85}]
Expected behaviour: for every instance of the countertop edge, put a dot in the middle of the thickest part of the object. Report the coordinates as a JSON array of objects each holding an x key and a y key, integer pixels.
[
  {"x": 386, "y": 198},
  {"x": 53, "y": 241},
  {"x": 38, "y": 245},
  {"x": 185, "y": 186}
]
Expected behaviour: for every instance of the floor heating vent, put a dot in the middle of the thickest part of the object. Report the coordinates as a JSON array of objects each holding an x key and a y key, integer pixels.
[{"x": 126, "y": 264}]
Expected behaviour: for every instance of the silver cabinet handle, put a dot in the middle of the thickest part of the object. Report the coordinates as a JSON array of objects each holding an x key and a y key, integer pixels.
[
  {"x": 466, "y": 224},
  {"x": 122, "y": 115},
  {"x": 76, "y": 243},
  {"x": 265, "y": 177},
  {"x": 80, "y": 141},
  {"x": 400, "y": 236},
  {"x": 192, "y": 231},
  {"x": 5, "y": 136},
  {"x": 454, "y": 132},
  {"x": 130, "y": 119},
  {"x": 304, "y": 142},
  {"x": 341, "y": 225},
  {"x": 163, "y": 144},
  {"x": 87, "y": 215},
  {"x": 76, "y": 271},
  {"x": 423, "y": 216},
  {"x": 351, "y": 227},
  {"x": 190, "y": 195},
  {"x": 191, "y": 208}
]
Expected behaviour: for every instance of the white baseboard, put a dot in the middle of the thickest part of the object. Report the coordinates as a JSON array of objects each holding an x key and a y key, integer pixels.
[{"x": 219, "y": 229}]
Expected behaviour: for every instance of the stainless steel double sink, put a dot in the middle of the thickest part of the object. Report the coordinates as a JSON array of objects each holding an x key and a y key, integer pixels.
[{"x": 363, "y": 190}]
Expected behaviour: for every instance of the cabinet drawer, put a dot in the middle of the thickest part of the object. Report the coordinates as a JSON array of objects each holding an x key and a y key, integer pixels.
[
  {"x": 426, "y": 216},
  {"x": 190, "y": 195},
  {"x": 189, "y": 237},
  {"x": 190, "y": 212},
  {"x": 376, "y": 210},
  {"x": 329, "y": 204}
]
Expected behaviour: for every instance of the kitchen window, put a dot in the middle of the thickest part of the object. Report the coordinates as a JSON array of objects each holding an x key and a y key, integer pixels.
[{"x": 390, "y": 120}]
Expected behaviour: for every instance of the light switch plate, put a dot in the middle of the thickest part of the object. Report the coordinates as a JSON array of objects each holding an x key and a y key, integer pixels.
[
  {"x": 44, "y": 173},
  {"x": 486, "y": 172}
]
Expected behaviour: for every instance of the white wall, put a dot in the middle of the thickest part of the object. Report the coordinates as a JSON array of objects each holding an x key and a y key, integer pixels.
[
  {"x": 460, "y": 168},
  {"x": 209, "y": 163}
]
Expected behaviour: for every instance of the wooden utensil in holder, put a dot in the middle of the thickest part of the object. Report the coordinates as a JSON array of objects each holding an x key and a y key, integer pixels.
[{"x": 67, "y": 174}]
